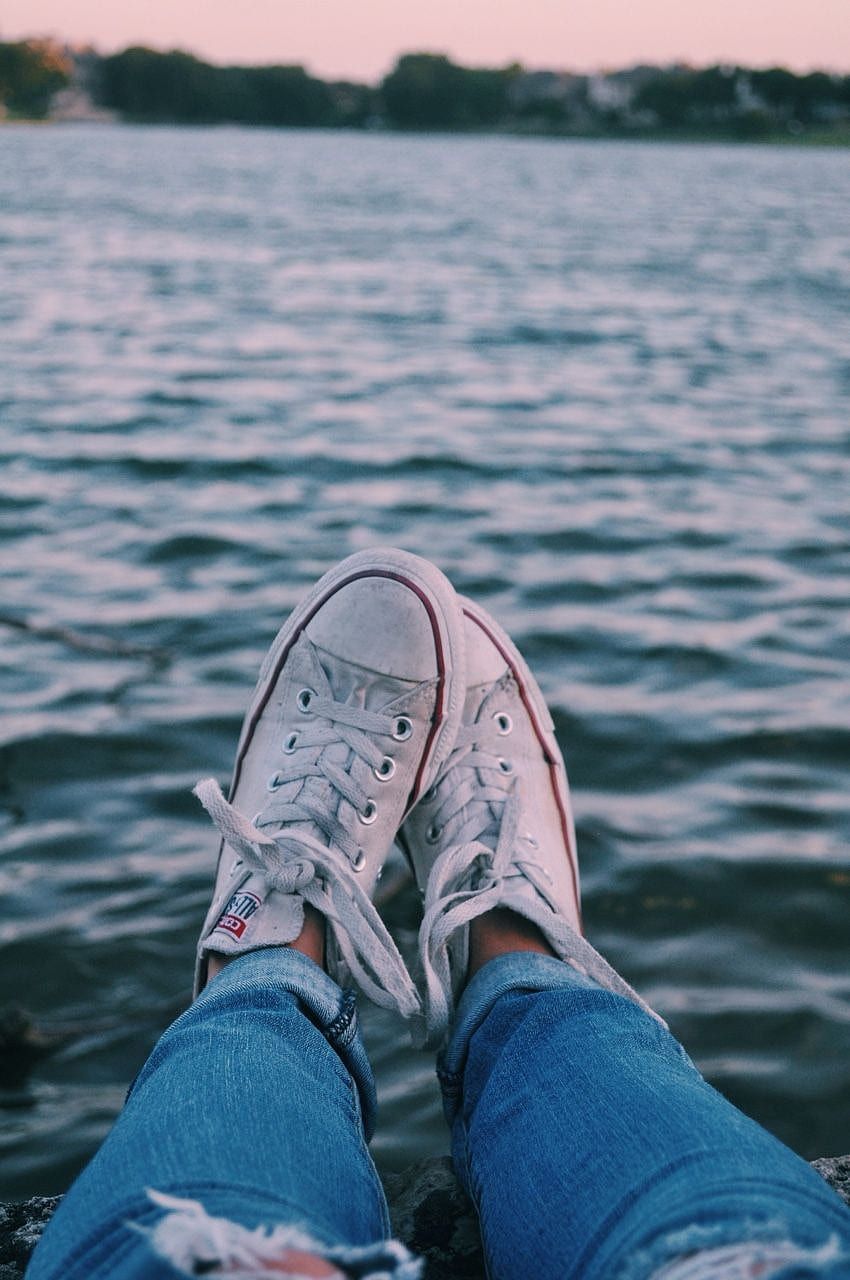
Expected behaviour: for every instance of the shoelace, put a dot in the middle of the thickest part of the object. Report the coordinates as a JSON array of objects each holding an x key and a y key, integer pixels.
[
  {"x": 278, "y": 844},
  {"x": 469, "y": 876}
]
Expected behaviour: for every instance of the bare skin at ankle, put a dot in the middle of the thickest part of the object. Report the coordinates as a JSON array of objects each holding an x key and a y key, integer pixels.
[
  {"x": 499, "y": 932},
  {"x": 310, "y": 942}
]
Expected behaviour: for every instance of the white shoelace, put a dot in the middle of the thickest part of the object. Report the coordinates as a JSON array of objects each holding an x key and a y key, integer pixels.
[
  {"x": 483, "y": 849},
  {"x": 279, "y": 844}
]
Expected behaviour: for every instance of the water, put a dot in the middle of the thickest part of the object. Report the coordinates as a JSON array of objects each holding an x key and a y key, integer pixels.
[{"x": 604, "y": 386}]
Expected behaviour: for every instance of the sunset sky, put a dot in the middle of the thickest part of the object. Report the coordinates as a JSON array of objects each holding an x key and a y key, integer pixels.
[{"x": 341, "y": 38}]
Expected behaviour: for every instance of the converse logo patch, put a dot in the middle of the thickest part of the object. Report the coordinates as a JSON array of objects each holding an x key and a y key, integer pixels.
[{"x": 238, "y": 912}]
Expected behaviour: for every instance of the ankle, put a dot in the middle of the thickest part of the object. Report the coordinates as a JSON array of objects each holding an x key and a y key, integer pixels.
[
  {"x": 310, "y": 942},
  {"x": 500, "y": 931}
]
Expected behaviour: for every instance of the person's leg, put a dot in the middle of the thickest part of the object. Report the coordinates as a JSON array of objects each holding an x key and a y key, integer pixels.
[
  {"x": 254, "y": 1108},
  {"x": 592, "y": 1147},
  {"x": 588, "y": 1141},
  {"x": 256, "y": 1103}
]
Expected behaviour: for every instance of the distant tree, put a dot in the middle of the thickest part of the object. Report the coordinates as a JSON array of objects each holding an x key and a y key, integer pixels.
[
  {"x": 354, "y": 105},
  {"x": 684, "y": 98},
  {"x": 666, "y": 95},
  {"x": 288, "y": 96},
  {"x": 776, "y": 87},
  {"x": 806, "y": 99},
  {"x": 31, "y": 71},
  {"x": 816, "y": 97},
  {"x": 713, "y": 94},
  {"x": 144, "y": 84},
  {"x": 429, "y": 91},
  {"x": 420, "y": 92}
]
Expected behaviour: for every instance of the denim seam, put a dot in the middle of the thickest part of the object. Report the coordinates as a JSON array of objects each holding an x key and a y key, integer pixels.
[
  {"x": 341, "y": 1028},
  {"x": 450, "y": 1081}
]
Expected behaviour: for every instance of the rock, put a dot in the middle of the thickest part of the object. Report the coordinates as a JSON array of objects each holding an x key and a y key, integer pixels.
[
  {"x": 836, "y": 1171},
  {"x": 22, "y": 1046},
  {"x": 435, "y": 1218},
  {"x": 21, "y": 1226},
  {"x": 429, "y": 1213}
]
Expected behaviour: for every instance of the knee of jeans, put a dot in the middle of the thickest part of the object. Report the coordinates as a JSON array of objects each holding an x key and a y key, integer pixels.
[
  {"x": 194, "y": 1243},
  {"x": 694, "y": 1254}
]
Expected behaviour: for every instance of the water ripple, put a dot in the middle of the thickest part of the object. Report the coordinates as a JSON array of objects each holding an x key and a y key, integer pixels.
[{"x": 605, "y": 387}]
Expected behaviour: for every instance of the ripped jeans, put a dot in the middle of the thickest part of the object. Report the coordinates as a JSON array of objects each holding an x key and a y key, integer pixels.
[{"x": 588, "y": 1141}]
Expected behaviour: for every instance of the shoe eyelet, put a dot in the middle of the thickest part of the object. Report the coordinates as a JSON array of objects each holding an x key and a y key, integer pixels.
[
  {"x": 535, "y": 844},
  {"x": 432, "y": 834},
  {"x": 402, "y": 729},
  {"x": 305, "y": 697},
  {"x": 504, "y": 723},
  {"x": 385, "y": 769},
  {"x": 289, "y": 743},
  {"x": 359, "y": 862},
  {"x": 505, "y": 765},
  {"x": 368, "y": 813},
  {"x": 274, "y": 783}
]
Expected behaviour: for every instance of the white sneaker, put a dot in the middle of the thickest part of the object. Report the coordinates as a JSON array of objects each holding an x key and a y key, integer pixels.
[
  {"x": 356, "y": 710},
  {"x": 497, "y": 828}
]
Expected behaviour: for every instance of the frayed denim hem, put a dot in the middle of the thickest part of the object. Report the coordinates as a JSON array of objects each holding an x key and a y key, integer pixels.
[
  {"x": 760, "y": 1251},
  {"x": 195, "y": 1243}
]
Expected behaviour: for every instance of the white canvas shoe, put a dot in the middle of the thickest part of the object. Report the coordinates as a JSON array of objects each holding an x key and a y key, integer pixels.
[
  {"x": 497, "y": 828},
  {"x": 355, "y": 712}
]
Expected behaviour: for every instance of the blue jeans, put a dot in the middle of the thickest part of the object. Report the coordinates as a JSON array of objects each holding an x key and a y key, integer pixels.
[{"x": 587, "y": 1139}]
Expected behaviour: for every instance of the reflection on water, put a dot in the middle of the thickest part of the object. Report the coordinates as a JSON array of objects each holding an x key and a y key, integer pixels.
[{"x": 605, "y": 387}]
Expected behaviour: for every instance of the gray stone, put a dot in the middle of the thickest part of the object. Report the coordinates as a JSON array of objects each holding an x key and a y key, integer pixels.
[
  {"x": 21, "y": 1226},
  {"x": 435, "y": 1218},
  {"x": 429, "y": 1212},
  {"x": 836, "y": 1171}
]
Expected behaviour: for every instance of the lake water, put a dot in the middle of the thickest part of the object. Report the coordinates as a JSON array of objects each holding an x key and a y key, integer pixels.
[{"x": 604, "y": 386}]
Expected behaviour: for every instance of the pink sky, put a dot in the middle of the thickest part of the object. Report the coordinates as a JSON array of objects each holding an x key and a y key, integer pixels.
[{"x": 344, "y": 38}]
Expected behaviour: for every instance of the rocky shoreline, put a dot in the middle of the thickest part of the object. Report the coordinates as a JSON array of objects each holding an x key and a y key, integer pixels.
[{"x": 429, "y": 1212}]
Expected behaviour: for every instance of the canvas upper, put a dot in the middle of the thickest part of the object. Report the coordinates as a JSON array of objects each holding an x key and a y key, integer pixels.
[{"x": 355, "y": 712}]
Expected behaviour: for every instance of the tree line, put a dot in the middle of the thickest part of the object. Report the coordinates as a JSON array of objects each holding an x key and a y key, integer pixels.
[
  {"x": 427, "y": 91},
  {"x": 31, "y": 72}
]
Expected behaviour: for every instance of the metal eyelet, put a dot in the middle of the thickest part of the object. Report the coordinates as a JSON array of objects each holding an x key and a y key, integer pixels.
[
  {"x": 505, "y": 765},
  {"x": 368, "y": 813},
  {"x": 432, "y": 834},
  {"x": 402, "y": 729},
  {"x": 385, "y": 769},
  {"x": 359, "y": 862},
  {"x": 289, "y": 743},
  {"x": 305, "y": 697},
  {"x": 504, "y": 723},
  {"x": 274, "y": 782},
  {"x": 535, "y": 844}
]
